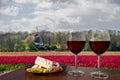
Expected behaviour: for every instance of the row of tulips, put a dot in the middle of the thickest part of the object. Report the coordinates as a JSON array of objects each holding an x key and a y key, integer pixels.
[{"x": 85, "y": 61}]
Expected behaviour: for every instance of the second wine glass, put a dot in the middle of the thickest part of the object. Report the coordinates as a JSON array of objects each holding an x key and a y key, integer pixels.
[
  {"x": 76, "y": 43},
  {"x": 99, "y": 43}
]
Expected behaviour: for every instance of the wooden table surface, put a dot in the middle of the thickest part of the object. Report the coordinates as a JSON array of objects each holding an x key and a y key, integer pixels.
[{"x": 21, "y": 74}]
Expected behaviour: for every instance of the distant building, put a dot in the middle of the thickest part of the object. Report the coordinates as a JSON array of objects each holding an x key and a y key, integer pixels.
[{"x": 38, "y": 41}]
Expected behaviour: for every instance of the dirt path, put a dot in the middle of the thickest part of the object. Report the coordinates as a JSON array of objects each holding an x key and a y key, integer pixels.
[{"x": 52, "y": 53}]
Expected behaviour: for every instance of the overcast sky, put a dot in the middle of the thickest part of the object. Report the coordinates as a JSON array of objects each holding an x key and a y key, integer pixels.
[{"x": 59, "y": 15}]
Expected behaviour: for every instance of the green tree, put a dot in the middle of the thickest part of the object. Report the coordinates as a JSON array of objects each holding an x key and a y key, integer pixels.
[
  {"x": 87, "y": 47},
  {"x": 20, "y": 47},
  {"x": 32, "y": 46}
]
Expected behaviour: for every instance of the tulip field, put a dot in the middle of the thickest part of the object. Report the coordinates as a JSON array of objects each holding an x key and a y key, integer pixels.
[{"x": 107, "y": 61}]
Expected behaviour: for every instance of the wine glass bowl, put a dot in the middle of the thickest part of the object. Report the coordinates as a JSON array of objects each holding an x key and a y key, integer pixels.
[
  {"x": 99, "y": 43},
  {"x": 76, "y": 43}
]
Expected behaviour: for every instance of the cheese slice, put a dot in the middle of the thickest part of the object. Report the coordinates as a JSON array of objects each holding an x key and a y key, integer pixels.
[
  {"x": 44, "y": 62},
  {"x": 35, "y": 66}
]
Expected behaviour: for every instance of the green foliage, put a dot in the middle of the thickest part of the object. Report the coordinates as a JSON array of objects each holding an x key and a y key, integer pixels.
[
  {"x": 106, "y": 68},
  {"x": 32, "y": 46},
  {"x": 115, "y": 41},
  {"x": 56, "y": 47},
  {"x": 4, "y": 67},
  {"x": 20, "y": 42},
  {"x": 87, "y": 47},
  {"x": 53, "y": 47},
  {"x": 12, "y": 41},
  {"x": 19, "y": 47}
]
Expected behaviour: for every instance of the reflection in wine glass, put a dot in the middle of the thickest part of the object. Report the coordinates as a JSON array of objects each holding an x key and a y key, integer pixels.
[
  {"x": 76, "y": 43},
  {"x": 99, "y": 43}
]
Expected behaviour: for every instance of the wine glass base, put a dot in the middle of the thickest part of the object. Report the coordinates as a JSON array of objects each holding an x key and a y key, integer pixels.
[
  {"x": 99, "y": 75},
  {"x": 76, "y": 73}
]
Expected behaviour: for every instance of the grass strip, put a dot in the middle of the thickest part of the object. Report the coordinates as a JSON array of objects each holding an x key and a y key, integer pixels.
[{"x": 8, "y": 67}]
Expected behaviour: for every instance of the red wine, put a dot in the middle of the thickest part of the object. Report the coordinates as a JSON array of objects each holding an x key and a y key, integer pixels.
[
  {"x": 99, "y": 47},
  {"x": 75, "y": 46}
]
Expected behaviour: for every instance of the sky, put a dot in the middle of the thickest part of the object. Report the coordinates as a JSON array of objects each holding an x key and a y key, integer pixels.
[{"x": 59, "y": 15}]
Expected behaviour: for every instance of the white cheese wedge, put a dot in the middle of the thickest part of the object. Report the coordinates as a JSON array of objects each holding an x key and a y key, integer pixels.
[
  {"x": 44, "y": 62},
  {"x": 35, "y": 66}
]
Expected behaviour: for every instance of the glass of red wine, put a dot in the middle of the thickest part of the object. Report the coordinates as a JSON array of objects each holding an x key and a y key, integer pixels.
[
  {"x": 76, "y": 43},
  {"x": 99, "y": 43}
]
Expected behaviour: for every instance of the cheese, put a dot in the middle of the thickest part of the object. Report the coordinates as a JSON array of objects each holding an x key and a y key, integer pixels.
[
  {"x": 35, "y": 66},
  {"x": 44, "y": 62}
]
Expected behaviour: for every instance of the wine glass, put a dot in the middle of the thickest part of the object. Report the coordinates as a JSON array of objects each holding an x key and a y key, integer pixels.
[
  {"x": 99, "y": 43},
  {"x": 76, "y": 43}
]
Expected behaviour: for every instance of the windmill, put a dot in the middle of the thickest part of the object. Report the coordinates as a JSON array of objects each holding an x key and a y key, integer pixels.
[{"x": 38, "y": 40}]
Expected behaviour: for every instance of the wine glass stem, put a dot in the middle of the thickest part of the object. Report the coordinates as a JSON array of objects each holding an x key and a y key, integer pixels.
[
  {"x": 98, "y": 64},
  {"x": 76, "y": 61}
]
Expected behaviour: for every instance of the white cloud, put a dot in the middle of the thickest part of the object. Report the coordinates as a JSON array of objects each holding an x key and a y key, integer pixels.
[
  {"x": 4, "y": 27},
  {"x": 30, "y": 24},
  {"x": 21, "y": 1},
  {"x": 3, "y": 1},
  {"x": 29, "y": 1},
  {"x": 55, "y": 15},
  {"x": 44, "y": 4},
  {"x": 10, "y": 10}
]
